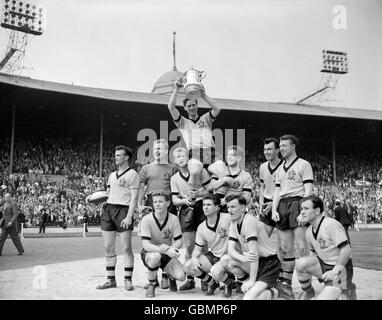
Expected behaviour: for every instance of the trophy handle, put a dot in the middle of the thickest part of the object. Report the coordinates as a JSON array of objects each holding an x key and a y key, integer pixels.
[
  {"x": 203, "y": 75},
  {"x": 184, "y": 76}
]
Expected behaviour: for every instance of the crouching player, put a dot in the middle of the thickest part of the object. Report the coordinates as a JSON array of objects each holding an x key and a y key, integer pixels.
[
  {"x": 330, "y": 260},
  {"x": 251, "y": 256},
  {"x": 213, "y": 232},
  {"x": 161, "y": 241}
]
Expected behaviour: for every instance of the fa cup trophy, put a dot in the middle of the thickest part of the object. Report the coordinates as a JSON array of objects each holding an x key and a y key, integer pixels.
[{"x": 192, "y": 82}]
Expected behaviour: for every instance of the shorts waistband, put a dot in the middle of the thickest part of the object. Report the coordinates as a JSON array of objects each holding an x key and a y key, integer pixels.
[
  {"x": 269, "y": 257},
  {"x": 333, "y": 265},
  {"x": 290, "y": 199},
  {"x": 116, "y": 205}
]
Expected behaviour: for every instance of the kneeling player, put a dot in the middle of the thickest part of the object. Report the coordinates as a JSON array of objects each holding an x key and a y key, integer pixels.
[
  {"x": 251, "y": 256},
  {"x": 189, "y": 203},
  {"x": 161, "y": 240},
  {"x": 330, "y": 259},
  {"x": 213, "y": 232}
]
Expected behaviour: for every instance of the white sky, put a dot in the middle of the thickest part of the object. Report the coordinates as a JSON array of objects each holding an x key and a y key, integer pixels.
[{"x": 263, "y": 50}]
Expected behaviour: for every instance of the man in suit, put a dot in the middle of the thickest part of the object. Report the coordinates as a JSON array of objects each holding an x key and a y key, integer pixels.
[
  {"x": 43, "y": 220},
  {"x": 8, "y": 223},
  {"x": 341, "y": 214}
]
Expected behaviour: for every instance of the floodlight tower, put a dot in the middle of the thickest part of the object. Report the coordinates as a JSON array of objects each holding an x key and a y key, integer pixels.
[
  {"x": 24, "y": 19},
  {"x": 335, "y": 64}
]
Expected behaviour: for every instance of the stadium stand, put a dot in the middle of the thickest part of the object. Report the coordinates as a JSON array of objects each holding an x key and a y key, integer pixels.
[{"x": 57, "y": 174}]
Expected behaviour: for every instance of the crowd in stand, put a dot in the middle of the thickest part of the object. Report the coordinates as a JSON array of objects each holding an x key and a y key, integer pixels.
[{"x": 57, "y": 174}]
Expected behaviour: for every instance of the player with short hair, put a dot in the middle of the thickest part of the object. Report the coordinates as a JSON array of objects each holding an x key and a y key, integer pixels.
[
  {"x": 330, "y": 254},
  {"x": 156, "y": 176},
  {"x": 189, "y": 201},
  {"x": 267, "y": 174},
  {"x": 213, "y": 232},
  {"x": 122, "y": 190},
  {"x": 251, "y": 256},
  {"x": 161, "y": 240},
  {"x": 294, "y": 180},
  {"x": 197, "y": 133},
  {"x": 236, "y": 179}
]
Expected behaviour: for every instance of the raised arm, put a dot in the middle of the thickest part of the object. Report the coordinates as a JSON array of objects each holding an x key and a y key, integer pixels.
[
  {"x": 212, "y": 103},
  {"x": 172, "y": 103}
]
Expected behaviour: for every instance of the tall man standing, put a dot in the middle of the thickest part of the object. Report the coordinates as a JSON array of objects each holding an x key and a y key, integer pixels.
[
  {"x": 294, "y": 180},
  {"x": 8, "y": 223},
  {"x": 117, "y": 216},
  {"x": 268, "y": 182}
]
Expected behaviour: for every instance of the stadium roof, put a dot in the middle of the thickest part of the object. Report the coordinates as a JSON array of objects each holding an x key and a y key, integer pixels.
[{"x": 229, "y": 104}]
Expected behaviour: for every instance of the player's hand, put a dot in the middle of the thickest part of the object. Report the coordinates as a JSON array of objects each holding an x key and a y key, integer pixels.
[
  {"x": 163, "y": 248},
  {"x": 334, "y": 274},
  {"x": 244, "y": 258},
  {"x": 265, "y": 208},
  {"x": 329, "y": 275},
  {"x": 187, "y": 201},
  {"x": 197, "y": 193},
  {"x": 202, "y": 91},
  {"x": 299, "y": 219},
  {"x": 248, "y": 284},
  {"x": 173, "y": 252},
  {"x": 179, "y": 82},
  {"x": 125, "y": 223},
  {"x": 275, "y": 215}
]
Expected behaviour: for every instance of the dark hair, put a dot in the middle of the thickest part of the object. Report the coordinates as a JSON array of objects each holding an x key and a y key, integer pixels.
[
  {"x": 188, "y": 99},
  {"x": 161, "y": 193},
  {"x": 317, "y": 202},
  {"x": 270, "y": 140},
  {"x": 215, "y": 198},
  {"x": 291, "y": 138},
  {"x": 127, "y": 150},
  {"x": 239, "y": 198}
]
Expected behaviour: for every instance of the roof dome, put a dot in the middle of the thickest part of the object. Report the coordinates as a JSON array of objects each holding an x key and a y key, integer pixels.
[{"x": 165, "y": 83}]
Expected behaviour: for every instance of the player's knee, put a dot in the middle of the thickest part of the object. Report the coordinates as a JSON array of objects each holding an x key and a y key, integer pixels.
[
  {"x": 194, "y": 166},
  {"x": 226, "y": 262},
  {"x": 110, "y": 250},
  {"x": 179, "y": 275},
  {"x": 301, "y": 265},
  {"x": 127, "y": 251},
  {"x": 217, "y": 271},
  {"x": 153, "y": 259},
  {"x": 218, "y": 167}
]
